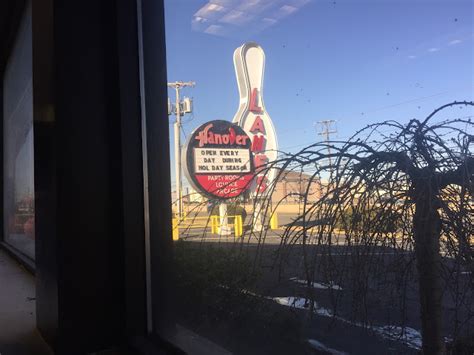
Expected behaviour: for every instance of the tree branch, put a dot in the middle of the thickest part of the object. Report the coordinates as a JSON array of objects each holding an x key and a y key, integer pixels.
[
  {"x": 401, "y": 160},
  {"x": 461, "y": 176}
]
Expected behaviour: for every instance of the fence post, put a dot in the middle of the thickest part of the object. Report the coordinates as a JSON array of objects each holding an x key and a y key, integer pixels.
[
  {"x": 238, "y": 226},
  {"x": 175, "y": 229},
  {"x": 274, "y": 221}
]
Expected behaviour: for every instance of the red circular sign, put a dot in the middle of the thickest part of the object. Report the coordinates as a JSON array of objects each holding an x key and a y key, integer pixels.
[{"x": 218, "y": 160}]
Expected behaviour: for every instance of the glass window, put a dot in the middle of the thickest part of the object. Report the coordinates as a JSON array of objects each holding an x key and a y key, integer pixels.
[
  {"x": 300, "y": 262},
  {"x": 18, "y": 160}
]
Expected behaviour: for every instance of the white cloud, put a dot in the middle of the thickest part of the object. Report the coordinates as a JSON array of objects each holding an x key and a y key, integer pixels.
[
  {"x": 455, "y": 41},
  {"x": 299, "y": 3},
  {"x": 222, "y": 17},
  {"x": 288, "y": 9},
  {"x": 200, "y": 19},
  {"x": 284, "y": 11},
  {"x": 215, "y": 7},
  {"x": 251, "y": 5},
  {"x": 209, "y": 10},
  {"x": 434, "y": 49},
  {"x": 199, "y": 23},
  {"x": 225, "y": 3},
  {"x": 214, "y": 30},
  {"x": 411, "y": 56},
  {"x": 267, "y": 22},
  {"x": 235, "y": 17}
]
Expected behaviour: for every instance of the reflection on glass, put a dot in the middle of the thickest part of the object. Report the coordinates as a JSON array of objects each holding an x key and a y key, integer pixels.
[
  {"x": 19, "y": 218},
  {"x": 318, "y": 256}
]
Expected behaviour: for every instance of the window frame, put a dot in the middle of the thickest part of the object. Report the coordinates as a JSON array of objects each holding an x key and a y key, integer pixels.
[{"x": 15, "y": 12}]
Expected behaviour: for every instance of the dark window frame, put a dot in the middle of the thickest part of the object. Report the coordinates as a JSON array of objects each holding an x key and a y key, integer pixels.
[
  {"x": 13, "y": 12},
  {"x": 140, "y": 62}
]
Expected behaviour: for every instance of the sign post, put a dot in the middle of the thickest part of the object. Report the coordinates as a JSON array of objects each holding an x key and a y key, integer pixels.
[
  {"x": 224, "y": 228},
  {"x": 252, "y": 116},
  {"x": 224, "y": 159},
  {"x": 218, "y": 163}
]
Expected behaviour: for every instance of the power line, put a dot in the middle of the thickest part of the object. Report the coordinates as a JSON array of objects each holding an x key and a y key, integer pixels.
[
  {"x": 384, "y": 131},
  {"x": 377, "y": 109}
]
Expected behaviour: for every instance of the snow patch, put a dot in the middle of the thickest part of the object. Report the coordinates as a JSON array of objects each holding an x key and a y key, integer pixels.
[
  {"x": 297, "y": 302},
  {"x": 322, "y": 286},
  {"x": 244, "y": 291},
  {"x": 408, "y": 336},
  {"x": 303, "y": 303}
]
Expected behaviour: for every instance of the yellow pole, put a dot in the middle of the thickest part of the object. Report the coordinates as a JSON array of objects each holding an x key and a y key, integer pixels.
[
  {"x": 238, "y": 226},
  {"x": 241, "y": 223},
  {"x": 274, "y": 221},
  {"x": 214, "y": 226},
  {"x": 175, "y": 229}
]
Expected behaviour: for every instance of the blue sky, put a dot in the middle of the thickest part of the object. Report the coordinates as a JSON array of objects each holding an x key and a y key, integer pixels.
[{"x": 355, "y": 62}]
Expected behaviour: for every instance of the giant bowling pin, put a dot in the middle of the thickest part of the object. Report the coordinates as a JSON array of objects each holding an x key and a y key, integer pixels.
[{"x": 249, "y": 63}]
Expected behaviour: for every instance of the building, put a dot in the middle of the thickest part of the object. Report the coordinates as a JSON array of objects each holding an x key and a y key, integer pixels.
[{"x": 292, "y": 186}]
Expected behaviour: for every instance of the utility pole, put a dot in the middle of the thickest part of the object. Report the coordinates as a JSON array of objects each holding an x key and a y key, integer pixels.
[
  {"x": 180, "y": 108},
  {"x": 326, "y": 132}
]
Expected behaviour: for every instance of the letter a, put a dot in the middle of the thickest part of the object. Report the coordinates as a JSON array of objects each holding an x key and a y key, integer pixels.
[{"x": 258, "y": 126}]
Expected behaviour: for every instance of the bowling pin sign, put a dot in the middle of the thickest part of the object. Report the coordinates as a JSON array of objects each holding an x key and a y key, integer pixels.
[{"x": 252, "y": 116}]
